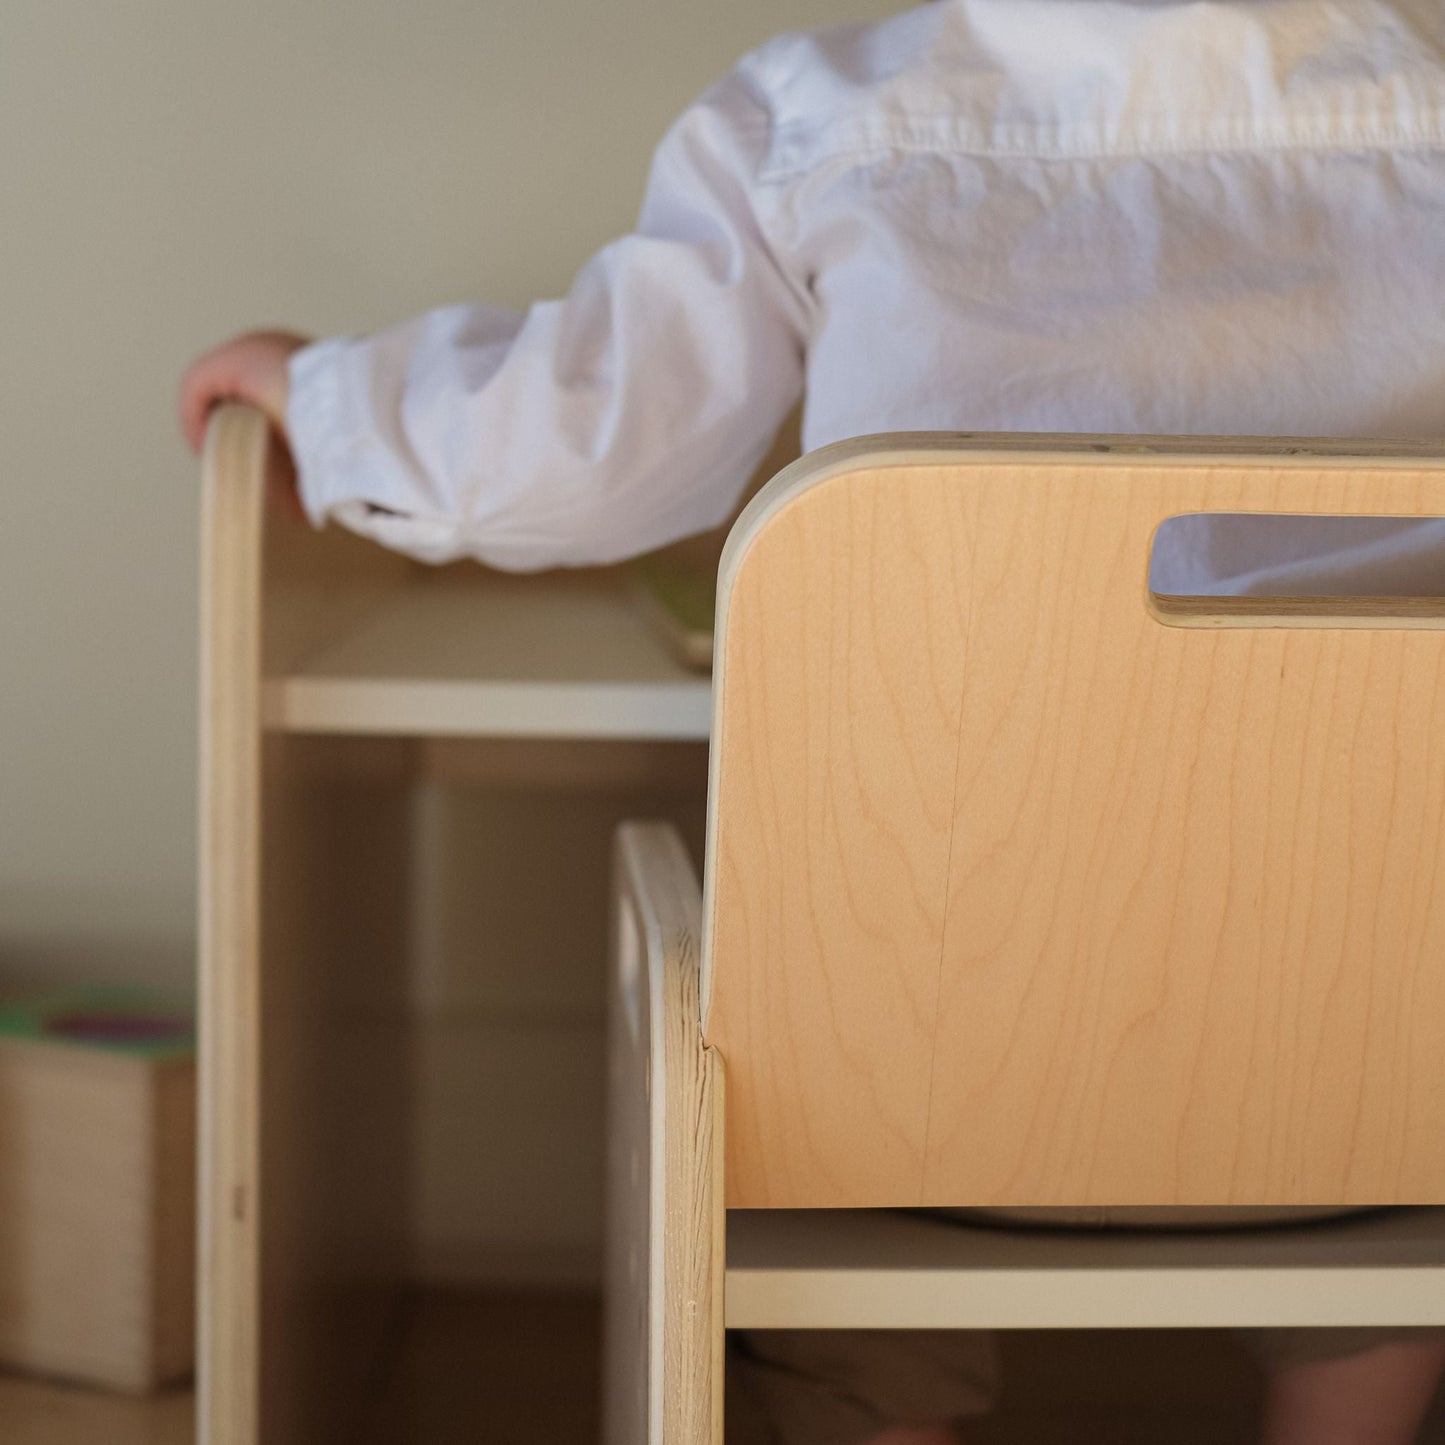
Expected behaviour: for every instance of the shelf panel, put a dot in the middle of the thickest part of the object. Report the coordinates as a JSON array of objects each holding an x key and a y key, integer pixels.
[
  {"x": 887, "y": 1270},
  {"x": 537, "y": 658}
]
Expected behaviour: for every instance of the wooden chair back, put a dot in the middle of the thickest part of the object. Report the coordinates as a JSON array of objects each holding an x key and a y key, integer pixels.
[{"x": 1025, "y": 886}]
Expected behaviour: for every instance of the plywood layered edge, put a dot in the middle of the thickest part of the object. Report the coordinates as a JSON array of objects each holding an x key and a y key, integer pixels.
[
  {"x": 228, "y": 1254},
  {"x": 497, "y": 708},
  {"x": 864, "y": 1269},
  {"x": 663, "y": 1342}
]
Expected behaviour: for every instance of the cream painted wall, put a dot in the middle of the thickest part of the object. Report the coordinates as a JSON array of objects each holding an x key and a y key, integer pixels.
[{"x": 172, "y": 171}]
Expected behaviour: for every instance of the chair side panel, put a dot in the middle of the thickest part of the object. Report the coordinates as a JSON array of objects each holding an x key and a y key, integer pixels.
[
  {"x": 1024, "y": 897},
  {"x": 845, "y": 661}
]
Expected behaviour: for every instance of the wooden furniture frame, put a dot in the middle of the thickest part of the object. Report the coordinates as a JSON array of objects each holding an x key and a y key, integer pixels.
[
  {"x": 301, "y": 925},
  {"x": 1028, "y": 887},
  {"x": 335, "y": 679}
]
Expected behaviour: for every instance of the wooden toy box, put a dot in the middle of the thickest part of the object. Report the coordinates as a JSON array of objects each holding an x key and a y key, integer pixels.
[{"x": 97, "y": 1191}]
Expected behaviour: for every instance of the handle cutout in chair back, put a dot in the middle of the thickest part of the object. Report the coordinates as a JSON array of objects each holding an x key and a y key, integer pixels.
[{"x": 1243, "y": 569}]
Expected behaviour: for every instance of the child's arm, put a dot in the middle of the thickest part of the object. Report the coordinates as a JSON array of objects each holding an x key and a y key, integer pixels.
[{"x": 624, "y": 416}]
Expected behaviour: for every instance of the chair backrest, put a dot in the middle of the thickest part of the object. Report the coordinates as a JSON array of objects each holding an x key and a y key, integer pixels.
[{"x": 1025, "y": 886}]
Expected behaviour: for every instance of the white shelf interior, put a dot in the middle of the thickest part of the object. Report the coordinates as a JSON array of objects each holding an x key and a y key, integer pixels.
[
  {"x": 874, "y": 1269},
  {"x": 536, "y": 657}
]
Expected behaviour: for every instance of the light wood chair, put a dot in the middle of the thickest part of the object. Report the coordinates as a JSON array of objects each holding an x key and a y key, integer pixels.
[{"x": 1026, "y": 886}]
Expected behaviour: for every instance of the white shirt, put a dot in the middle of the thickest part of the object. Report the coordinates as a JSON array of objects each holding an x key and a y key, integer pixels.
[{"x": 1142, "y": 216}]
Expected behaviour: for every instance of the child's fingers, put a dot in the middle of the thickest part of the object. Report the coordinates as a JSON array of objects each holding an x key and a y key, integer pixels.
[
  {"x": 196, "y": 400},
  {"x": 229, "y": 374},
  {"x": 251, "y": 368},
  {"x": 209, "y": 381}
]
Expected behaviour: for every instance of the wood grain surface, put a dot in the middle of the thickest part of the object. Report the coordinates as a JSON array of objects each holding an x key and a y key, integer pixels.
[{"x": 1022, "y": 895}]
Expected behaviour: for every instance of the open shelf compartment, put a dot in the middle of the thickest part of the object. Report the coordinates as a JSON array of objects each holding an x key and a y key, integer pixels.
[{"x": 558, "y": 657}]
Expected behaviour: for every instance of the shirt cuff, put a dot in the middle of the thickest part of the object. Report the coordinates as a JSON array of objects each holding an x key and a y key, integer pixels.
[
  {"x": 316, "y": 428},
  {"x": 344, "y": 472}
]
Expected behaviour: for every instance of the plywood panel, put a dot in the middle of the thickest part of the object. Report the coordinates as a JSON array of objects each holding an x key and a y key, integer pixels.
[
  {"x": 861, "y": 1269},
  {"x": 233, "y": 493},
  {"x": 845, "y": 656},
  {"x": 302, "y": 932},
  {"x": 509, "y": 842},
  {"x": 663, "y": 1331},
  {"x": 505, "y": 1175},
  {"x": 40, "y": 1412},
  {"x": 511, "y": 879},
  {"x": 1021, "y": 895},
  {"x": 1194, "y": 929},
  {"x": 461, "y": 655},
  {"x": 335, "y": 1078}
]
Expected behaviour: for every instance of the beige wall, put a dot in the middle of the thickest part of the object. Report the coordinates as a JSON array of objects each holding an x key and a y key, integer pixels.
[{"x": 174, "y": 170}]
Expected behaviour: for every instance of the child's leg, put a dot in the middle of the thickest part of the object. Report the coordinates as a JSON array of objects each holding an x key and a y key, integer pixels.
[
  {"x": 856, "y": 1387},
  {"x": 1376, "y": 1395}
]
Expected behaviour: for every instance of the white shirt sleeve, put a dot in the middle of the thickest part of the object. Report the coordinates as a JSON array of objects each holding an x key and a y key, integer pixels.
[{"x": 588, "y": 429}]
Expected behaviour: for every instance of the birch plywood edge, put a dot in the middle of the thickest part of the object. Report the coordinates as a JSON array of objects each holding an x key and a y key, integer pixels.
[
  {"x": 666, "y": 1228},
  {"x": 1025, "y": 894},
  {"x": 234, "y": 479}
]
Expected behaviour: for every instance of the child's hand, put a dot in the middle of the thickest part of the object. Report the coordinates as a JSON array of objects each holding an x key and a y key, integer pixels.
[{"x": 250, "y": 368}]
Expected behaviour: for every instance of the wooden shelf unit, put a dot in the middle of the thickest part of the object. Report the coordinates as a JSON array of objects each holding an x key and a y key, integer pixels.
[{"x": 339, "y": 683}]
